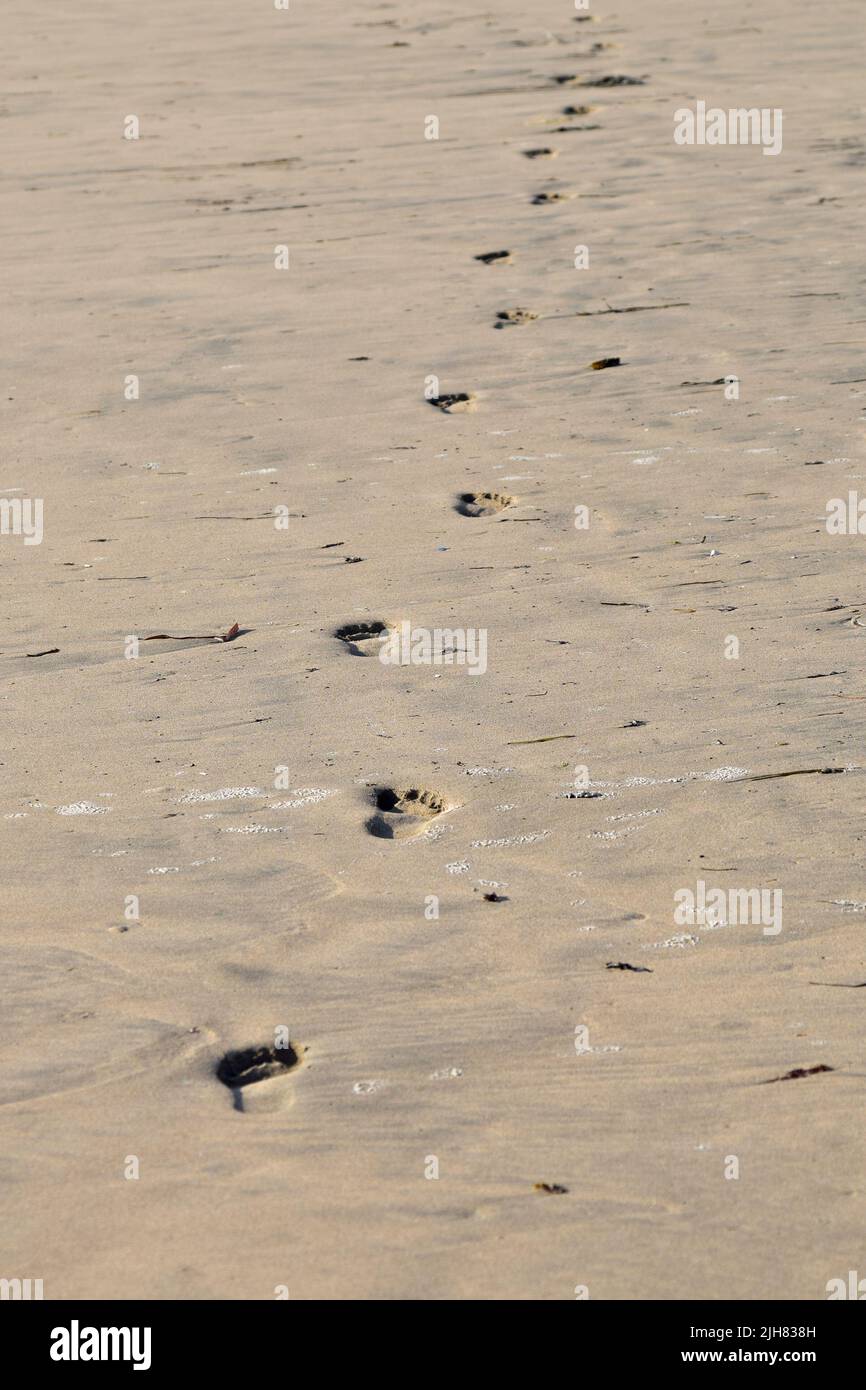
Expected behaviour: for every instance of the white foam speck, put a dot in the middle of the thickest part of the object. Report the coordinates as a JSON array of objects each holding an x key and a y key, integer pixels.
[
  {"x": 511, "y": 840},
  {"x": 224, "y": 794},
  {"x": 434, "y": 833},
  {"x": 304, "y": 796},
  {"x": 650, "y": 781},
  {"x": 367, "y": 1088},
  {"x": 721, "y": 774},
  {"x": 254, "y": 829}
]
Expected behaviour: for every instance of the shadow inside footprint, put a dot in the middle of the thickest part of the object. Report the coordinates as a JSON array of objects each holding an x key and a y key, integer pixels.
[
  {"x": 402, "y": 813},
  {"x": 615, "y": 80},
  {"x": 358, "y": 637},
  {"x": 248, "y": 1065},
  {"x": 482, "y": 503},
  {"x": 453, "y": 400}
]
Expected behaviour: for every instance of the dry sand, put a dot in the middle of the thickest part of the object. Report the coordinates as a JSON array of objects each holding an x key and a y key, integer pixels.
[{"x": 264, "y": 903}]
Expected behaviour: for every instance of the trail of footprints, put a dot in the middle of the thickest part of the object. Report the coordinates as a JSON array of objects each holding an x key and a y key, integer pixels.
[{"x": 402, "y": 813}]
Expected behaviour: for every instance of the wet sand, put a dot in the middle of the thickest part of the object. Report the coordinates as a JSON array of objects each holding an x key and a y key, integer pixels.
[{"x": 210, "y": 846}]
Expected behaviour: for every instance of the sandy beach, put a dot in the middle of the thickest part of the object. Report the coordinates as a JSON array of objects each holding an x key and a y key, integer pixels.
[{"x": 329, "y": 976}]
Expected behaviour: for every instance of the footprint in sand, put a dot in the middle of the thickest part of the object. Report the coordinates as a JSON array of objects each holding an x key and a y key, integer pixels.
[
  {"x": 544, "y": 152},
  {"x": 254, "y": 1066},
  {"x": 403, "y": 813},
  {"x": 508, "y": 316},
  {"x": 482, "y": 503},
  {"x": 614, "y": 81},
  {"x": 456, "y": 400},
  {"x": 360, "y": 637},
  {"x": 553, "y": 124},
  {"x": 494, "y": 257},
  {"x": 544, "y": 198}
]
